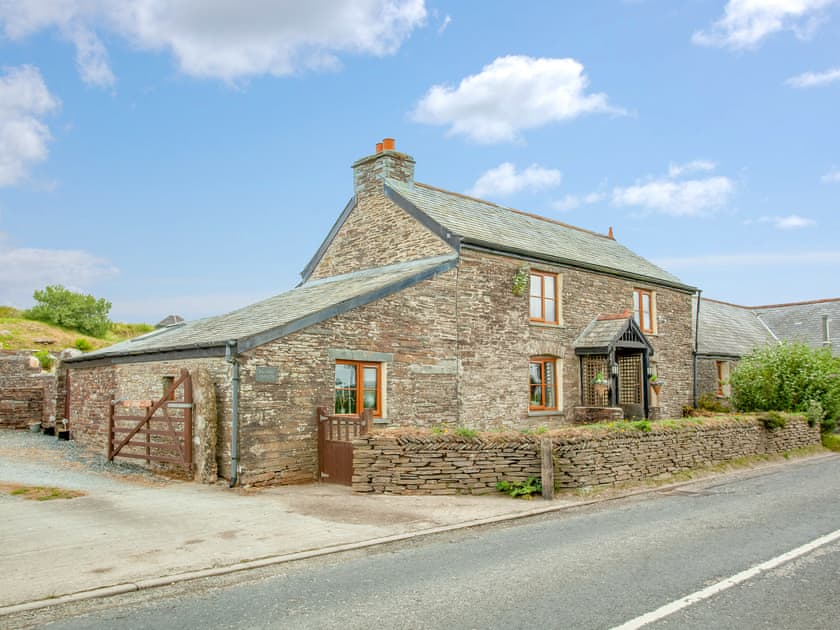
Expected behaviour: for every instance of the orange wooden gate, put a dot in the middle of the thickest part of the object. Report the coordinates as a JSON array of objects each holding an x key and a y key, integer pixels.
[
  {"x": 335, "y": 444},
  {"x": 162, "y": 434}
]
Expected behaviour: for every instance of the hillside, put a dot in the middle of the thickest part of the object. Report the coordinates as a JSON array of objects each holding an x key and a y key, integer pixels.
[{"x": 17, "y": 333}]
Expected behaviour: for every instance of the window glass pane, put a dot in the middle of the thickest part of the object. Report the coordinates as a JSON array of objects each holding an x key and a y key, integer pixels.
[
  {"x": 345, "y": 375},
  {"x": 370, "y": 375},
  {"x": 550, "y": 311},
  {"x": 536, "y": 377},
  {"x": 345, "y": 401},
  {"x": 536, "y": 286},
  {"x": 549, "y": 286},
  {"x": 550, "y": 387},
  {"x": 536, "y": 396},
  {"x": 646, "y": 311},
  {"x": 369, "y": 399},
  {"x": 536, "y": 308},
  {"x": 636, "y": 307}
]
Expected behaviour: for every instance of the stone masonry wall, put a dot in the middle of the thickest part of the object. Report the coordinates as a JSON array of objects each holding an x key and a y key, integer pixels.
[
  {"x": 27, "y": 394},
  {"x": 415, "y": 327},
  {"x": 93, "y": 388},
  {"x": 496, "y": 339},
  {"x": 378, "y": 232},
  {"x": 414, "y": 464}
]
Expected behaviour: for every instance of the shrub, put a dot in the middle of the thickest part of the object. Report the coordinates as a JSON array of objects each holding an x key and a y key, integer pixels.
[
  {"x": 710, "y": 402},
  {"x": 9, "y": 311},
  {"x": 83, "y": 344},
  {"x": 61, "y": 307},
  {"x": 642, "y": 425},
  {"x": 464, "y": 432},
  {"x": 773, "y": 420},
  {"x": 524, "y": 489},
  {"x": 814, "y": 413},
  {"x": 788, "y": 377},
  {"x": 44, "y": 359}
]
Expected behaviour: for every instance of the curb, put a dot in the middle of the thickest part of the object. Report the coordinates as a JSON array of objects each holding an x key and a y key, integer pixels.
[{"x": 130, "y": 587}]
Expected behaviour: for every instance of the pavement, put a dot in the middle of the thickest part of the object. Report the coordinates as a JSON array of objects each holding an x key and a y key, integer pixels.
[{"x": 132, "y": 531}]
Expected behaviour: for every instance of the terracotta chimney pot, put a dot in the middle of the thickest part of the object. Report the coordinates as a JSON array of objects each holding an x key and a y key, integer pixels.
[
  {"x": 388, "y": 144},
  {"x": 379, "y": 147}
]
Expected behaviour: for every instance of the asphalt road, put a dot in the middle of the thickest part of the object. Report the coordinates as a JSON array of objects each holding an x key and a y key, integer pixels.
[{"x": 595, "y": 567}]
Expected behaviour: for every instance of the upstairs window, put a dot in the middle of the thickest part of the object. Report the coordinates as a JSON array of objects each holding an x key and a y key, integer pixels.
[
  {"x": 358, "y": 386},
  {"x": 543, "y": 384},
  {"x": 643, "y": 309},
  {"x": 543, "y": 302}
]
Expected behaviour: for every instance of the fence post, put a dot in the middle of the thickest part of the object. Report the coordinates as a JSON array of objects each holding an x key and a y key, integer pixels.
[{"x": 547, "y": 469}]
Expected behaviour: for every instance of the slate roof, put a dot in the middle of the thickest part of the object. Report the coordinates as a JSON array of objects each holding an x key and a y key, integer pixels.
[
  {"x": 803, "y": 321},
  {"x": 484, "y": 223},
  {"x": 282, "y": 314},
  {"x": 730, "y": 330}
]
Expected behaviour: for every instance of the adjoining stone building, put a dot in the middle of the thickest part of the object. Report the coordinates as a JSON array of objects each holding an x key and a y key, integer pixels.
[
  {"x": 728, "y": 332},
  {"x": 425, "y": 307}
]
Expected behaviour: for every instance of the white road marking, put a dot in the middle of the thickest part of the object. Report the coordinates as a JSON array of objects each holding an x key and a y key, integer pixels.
[{"x": 714, "y": 589}]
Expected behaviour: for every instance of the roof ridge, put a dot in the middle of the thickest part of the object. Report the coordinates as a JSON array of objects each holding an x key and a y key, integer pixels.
[
  {"x": 821, "y": 301},
  {"x": 707, "y": 299},
  {"x": 522, "y": 212}
]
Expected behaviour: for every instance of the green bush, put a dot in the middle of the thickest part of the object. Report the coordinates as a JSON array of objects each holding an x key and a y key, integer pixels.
[
  {"x": 773, "y": 420},
  {"x": 788, "y": 377},
  {"x": 9, "y": 311},
  {"x": 710, "y": 402},
  {"x": 61, "y": 307},
  {"x": 464, "y": 432},
  {"x": 83, "y": 344},
  {"x": 44, "y": 359},
  {"x": 524, "y": 489}
]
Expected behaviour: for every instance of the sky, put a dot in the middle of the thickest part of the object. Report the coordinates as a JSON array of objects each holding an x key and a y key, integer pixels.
[{"x": 189, "y": 156}]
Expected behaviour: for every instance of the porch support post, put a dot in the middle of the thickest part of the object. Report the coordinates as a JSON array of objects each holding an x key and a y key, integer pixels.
[
  {"x": 645, "y": 382},
  {"x": 613, "y": 379}
]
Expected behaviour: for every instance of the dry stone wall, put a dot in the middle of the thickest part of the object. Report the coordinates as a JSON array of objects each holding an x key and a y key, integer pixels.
[
  {"x": 385, "y": 462},
  {"x": 27, "y": 394}
]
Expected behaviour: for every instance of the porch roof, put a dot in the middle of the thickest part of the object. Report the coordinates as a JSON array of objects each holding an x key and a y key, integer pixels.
[{"x": 605, "y": 333}]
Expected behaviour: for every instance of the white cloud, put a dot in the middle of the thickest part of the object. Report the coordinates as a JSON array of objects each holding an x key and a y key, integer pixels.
[
  {"x": 504, "y": 180},
  {"x": 790, "y": 222},
  {"x": 225, "y": 39},
  {"x": 814, "y": 79},
  {"x": 753, "y": 259},
  {"x": 746, "y": 22},
  {"x": 512, "y": 94},
  {"x": 831, "y": 177},
  {"x": 695, "y": 166},
  {"x": 572, "y": 202},
  {"x": 683, "y": 198},
  {"x": 444, "y": 24},
  {"x": 24, "y": 100},
  {"x": 24, "y": 270}
]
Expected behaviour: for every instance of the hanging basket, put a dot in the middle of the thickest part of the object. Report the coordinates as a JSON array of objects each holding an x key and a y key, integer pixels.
[
  {"x": 656, "y": 387},
  {"x": 601, "y": 388}
]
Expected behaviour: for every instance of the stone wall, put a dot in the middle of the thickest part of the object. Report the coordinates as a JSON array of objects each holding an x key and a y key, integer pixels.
[
  {"x": 93, "y": 388},
  {"x": 378, "y": 232},
  {"x": 428, "y": 464},
  {"x": 27, "y": 393},
  {"x": 496, "y": 340},
  {"x": 412, "y": 333}
]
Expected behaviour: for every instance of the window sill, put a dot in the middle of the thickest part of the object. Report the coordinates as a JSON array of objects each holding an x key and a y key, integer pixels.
[
  {"x": 381, "y": 421},
  {"x": 545, "y": 325},
  {"x": 549, "y": 412}
]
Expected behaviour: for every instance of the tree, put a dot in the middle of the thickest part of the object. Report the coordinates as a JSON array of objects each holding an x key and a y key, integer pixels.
[
  {"x": 68, "y": 309},
  {"x": 789, "y": 377}
]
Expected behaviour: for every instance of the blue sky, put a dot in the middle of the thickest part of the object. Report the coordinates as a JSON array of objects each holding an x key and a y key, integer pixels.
[{"x": 188, "y": 156}]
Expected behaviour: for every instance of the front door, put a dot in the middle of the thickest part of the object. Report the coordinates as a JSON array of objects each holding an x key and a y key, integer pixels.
[{"x": 631, "y": 384}]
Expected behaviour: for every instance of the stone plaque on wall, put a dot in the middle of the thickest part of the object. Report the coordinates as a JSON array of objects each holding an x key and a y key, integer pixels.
[{"x": 266, "y": 374}]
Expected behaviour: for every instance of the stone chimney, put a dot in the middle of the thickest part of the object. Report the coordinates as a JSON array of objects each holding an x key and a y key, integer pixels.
[{"x": 370, "y": 171}]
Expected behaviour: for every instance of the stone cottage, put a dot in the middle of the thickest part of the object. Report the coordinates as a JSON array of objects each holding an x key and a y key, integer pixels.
[
  {"x": 424, "y": 307},
  {"x": 729, "y": 331}
]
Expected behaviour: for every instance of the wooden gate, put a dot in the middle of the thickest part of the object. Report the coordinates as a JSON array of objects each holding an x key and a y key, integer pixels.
[
  {"x": 163, "y": 433},
  {"x": 335, "y": 444}
]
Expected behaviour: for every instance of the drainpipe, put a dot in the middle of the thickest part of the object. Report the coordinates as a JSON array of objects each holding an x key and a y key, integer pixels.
[
  {"x": 230, "y": 357},
  {"x": 696, "y": 348}
]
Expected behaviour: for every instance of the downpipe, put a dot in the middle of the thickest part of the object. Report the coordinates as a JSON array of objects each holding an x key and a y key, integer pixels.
[
  {"x": 230, "y": 357},
  {"x": 696, "y": 348}
]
